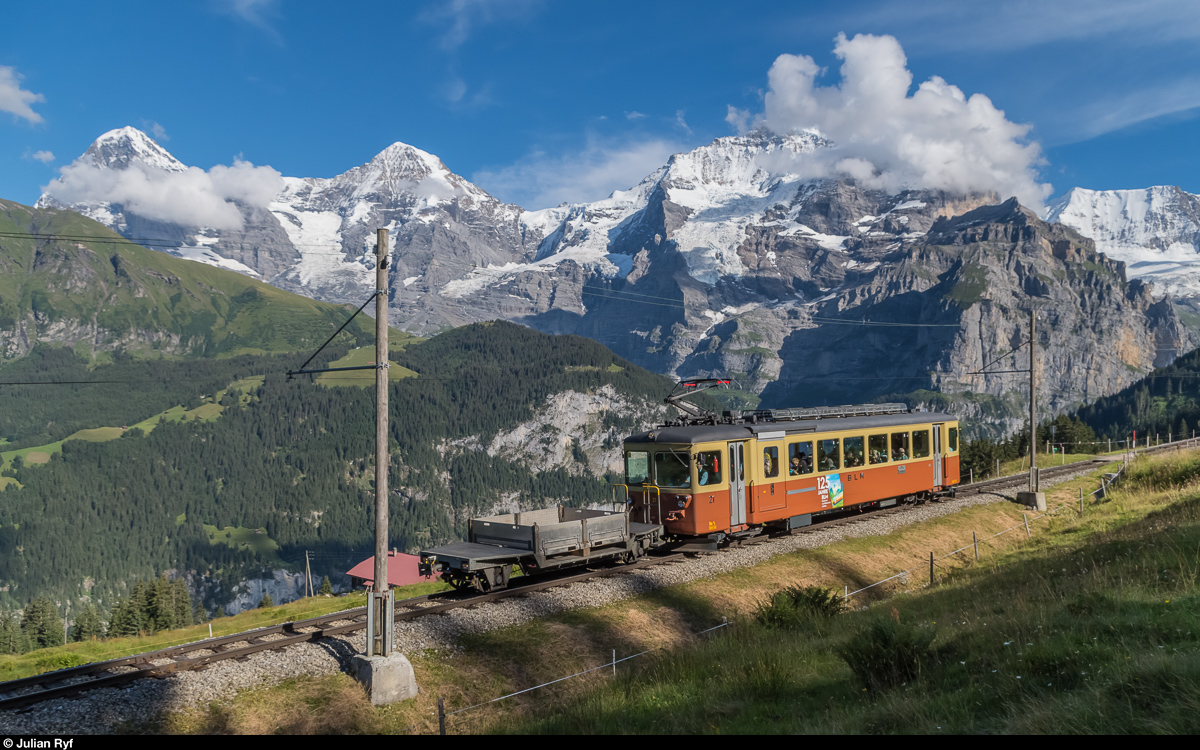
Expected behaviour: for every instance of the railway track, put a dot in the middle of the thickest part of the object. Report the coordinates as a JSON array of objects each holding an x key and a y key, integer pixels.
[
  {"x": 24, "y": 692},
  {"x": 65, "y": 683}
]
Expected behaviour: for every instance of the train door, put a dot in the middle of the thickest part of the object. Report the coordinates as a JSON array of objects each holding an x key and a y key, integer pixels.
[
  {"x": 737, "y": 485},
  {"x": 937, "y": 456}
]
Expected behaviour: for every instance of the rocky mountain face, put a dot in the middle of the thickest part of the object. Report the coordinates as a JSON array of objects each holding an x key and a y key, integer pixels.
[
  {"x": 1155, "y": 231},
  {"x": 723, "y": 261}
]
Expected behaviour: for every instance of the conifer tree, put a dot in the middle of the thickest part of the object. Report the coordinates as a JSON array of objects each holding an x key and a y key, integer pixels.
[
  {"x": 12, "y": 638},
  {"x": 160, "y": 612},
  {"x": 267, "y": 601},
  {"x": 199, "y": 614},
  {"x": 88, "y": 625},
  {"x": 326, "y": 587},
  {"x": 129, "y": 616},
  {"x": 181, "y": 599},
  {"x": 220, "y": 612},
  {"x": 41, "y": 624}
]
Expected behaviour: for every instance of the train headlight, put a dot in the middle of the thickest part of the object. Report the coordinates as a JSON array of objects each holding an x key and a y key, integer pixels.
[{"x": 682, "y": 503}]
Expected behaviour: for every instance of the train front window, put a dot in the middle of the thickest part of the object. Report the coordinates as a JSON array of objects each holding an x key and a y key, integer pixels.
[
  {"x": 708, "y": 468},
  {"x": 828, "y": 455},
  {"x": 637, "y": 467},
  {"x": 920, "y": 443},
  {"x": 877, "y": 448},
  {"x": 672, "y": 469}
]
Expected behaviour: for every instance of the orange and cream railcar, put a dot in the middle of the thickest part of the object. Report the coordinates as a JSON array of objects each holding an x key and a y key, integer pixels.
[{"x": 734, "y": 479}]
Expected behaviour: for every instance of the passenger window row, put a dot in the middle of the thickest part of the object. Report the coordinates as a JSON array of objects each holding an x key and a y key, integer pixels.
[
  {"x": 676, "y": 468},
  {"x": 849, "y": 453}
]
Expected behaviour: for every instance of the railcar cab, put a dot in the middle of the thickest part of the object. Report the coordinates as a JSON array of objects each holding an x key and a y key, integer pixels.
[
  {"x": 685, "y": 477},
  {"x": 781, "y": 468}
]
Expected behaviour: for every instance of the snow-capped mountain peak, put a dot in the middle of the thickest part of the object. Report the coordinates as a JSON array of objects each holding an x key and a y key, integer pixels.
[
  {"x": 1155, "y": 231},
  {"x": 120, "y": 148}
]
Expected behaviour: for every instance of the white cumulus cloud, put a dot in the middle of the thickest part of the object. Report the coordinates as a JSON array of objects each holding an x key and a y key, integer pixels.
[
  {"x": 192, "y": 197},
  {"x": 45, "y": 157},
  {"x": 541, "y": 180},
  {"x": 15, "y": 99},
  {"x": 937, "y": 137}
]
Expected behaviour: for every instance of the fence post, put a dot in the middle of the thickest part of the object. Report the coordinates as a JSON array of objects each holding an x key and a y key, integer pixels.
[
  {"x": 972, "y": 476},
  {"x": 931, "y": 568},
  {"x": 975, "y": 540},
  {"x": 1027, "y": 532},
  {"x": 1081, "y": 500},
  {"x": 997, "y": 467},
  {"x": 614, "y": 662},
  {"x": 441, "y": 717},
  {"x": 845, "y": 593}
]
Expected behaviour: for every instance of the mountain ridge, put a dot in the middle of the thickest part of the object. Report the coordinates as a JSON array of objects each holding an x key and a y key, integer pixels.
[{"x": 726, "y": 260}]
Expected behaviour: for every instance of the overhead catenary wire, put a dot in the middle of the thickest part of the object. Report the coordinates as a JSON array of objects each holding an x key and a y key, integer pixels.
[
  {"x": 155, "y": 241},
  {"x": 81, "y": 382}
]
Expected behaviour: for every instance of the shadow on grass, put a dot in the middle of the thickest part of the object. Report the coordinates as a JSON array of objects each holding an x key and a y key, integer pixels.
[{"x": 1100, "y": 637}]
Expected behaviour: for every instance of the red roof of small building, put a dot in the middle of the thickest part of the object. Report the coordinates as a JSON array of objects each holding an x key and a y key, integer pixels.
[{"x": 402, "y": 570}]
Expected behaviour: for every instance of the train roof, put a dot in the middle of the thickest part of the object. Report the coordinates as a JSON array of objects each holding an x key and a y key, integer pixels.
[{"x": 773, "y": 430}]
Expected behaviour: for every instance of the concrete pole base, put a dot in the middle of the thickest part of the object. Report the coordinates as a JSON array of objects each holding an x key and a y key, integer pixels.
[
  {"x": 1035, "y": 500},
  {"x": 388, "y": 679}
]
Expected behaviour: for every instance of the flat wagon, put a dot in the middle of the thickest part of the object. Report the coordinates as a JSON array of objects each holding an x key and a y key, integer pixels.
[{"x": 538, "y": 541}]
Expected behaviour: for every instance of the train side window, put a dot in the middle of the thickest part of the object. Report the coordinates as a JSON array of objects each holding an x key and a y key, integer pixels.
[
  {"x": 900, "y": 446},
  {"x": 854, "y": 452},
  {"x": 637, "y": 467},
  {"x": 672, "y": 469},
  {"x": 953, "y": 441},
  {"x": 771, "y": 461},
  {"x": 920, "y": 443},
  {"x": 877, "y": 448},
  {"x": 800, "y": 459},
  {"x": 828, "y": 455},
  {"x": 708, "y": 468}
]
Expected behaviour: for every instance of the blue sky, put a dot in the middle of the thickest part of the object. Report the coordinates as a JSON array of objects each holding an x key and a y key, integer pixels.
[{"x": 539, "y": 102}]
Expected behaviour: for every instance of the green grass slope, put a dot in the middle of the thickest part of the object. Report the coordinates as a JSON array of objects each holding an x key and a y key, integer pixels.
[{"x": 104, "y": 294}]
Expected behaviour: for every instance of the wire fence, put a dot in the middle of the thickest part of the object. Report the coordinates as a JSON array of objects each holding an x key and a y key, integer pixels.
[
  {"x": 443, "y": 714},
  {"x": 1107, "y": 481}
]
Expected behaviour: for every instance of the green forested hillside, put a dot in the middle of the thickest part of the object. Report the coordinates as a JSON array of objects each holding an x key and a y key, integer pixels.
[
  {"x": 295, "y": 462},
  {"x": 1167, "y": 401},
  {"x": 64, "y": 393}
]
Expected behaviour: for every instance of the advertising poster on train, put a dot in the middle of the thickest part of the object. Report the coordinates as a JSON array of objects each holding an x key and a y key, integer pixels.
[{"x": 829, "y": 488}]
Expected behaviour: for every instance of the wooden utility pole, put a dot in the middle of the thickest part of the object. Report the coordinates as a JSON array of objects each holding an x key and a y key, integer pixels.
[
  {"x": 308, "y": 573},
  {"x": 380, "y": 617},
  {"x": 380, "y": 611},
  {"x": 381, "y": 412},
  {"x": 1033, "y": 477}
]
